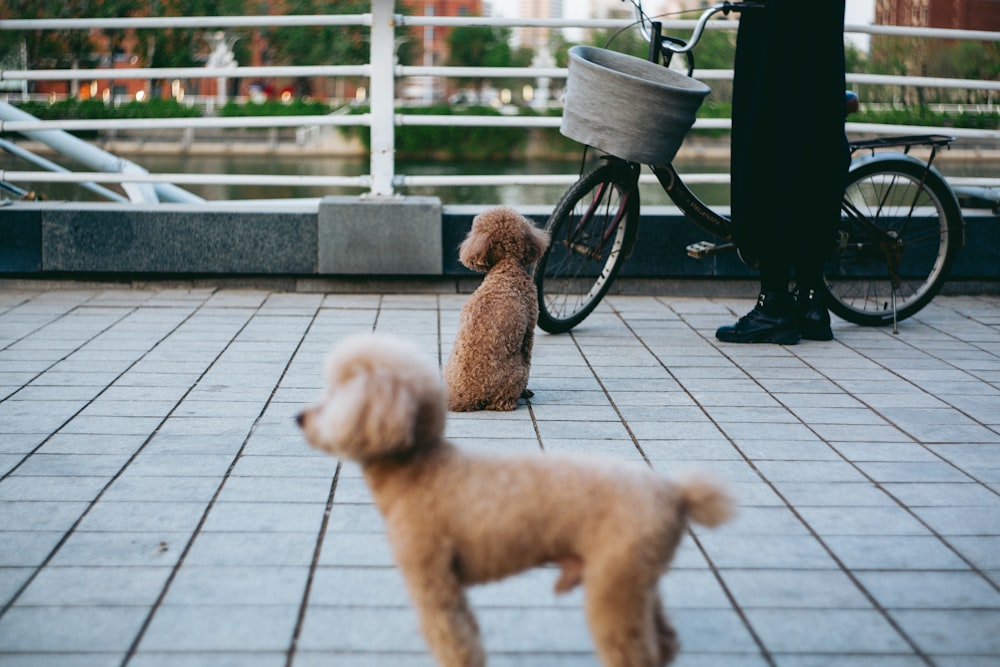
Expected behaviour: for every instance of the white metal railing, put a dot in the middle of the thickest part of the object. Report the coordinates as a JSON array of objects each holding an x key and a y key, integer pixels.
[{"x": 382, "y": 72}]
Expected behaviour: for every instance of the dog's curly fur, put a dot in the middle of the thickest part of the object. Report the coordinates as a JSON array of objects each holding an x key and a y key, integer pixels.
[
  {"x": 489, "y": 363},
  {"x": 455, "y": 519}
]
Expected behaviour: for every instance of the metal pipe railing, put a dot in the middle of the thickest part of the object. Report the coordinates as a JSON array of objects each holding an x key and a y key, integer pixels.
[{"x": 382, "y": 73}]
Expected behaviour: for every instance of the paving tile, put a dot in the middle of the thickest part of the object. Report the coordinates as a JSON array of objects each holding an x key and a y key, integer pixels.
[
  {"x": 361, "y": 629},
  {"x": 752, "y": 552},
  {"x": 95, "y": 586},
  {"x": 27, "y": 548},
  {"x": 943, "y": 494},
  {"x": 18, "y": 487},
  {"x": 92, "y": 443},
  {"x": 70, "y": 629},
  {"x": 841, "y": 660},
  {"x": 684, "y": 431},
  {"x": 787, "y": 450},
  {"x": 73, "y": 465},
  {"x": 358, "y": 587},
  {"x": 31, "y": 515},
  {"x": 829, "y": 631},
  {"x": 52, "y": 659},
  {"x": 833, "y": 494},
  {"x": 829, "y": 521},
  {"x": 884, "y": 451},
  {"x": 691, "y": 450},
  {"x": 179, "y": 465},
  {"x": 237, "y": 658},
  {"x": 825, "y": 472},
  {"x": 233, "y": 549},
  {"x": 306, "y": 463},
  {"x": 895, "y": 552},
  {"x": 264, "y": 517},
  {"x": 794, "y": 589},
  {"x": 238, "y": 585},
  {"x": 916, "y": 589},
  {"x": 21, "y": 443},
  {"x": 210, "y": 627},
  {"x": 952, "y": 631},
  {"x": 130, "y": 486},
  {"x": 276, "y": 489},
  {"x": 12, "y": 579},
  {"x": 342, "y": 548},
  {"x": 120, "y": 549},
  {"x": 109, "y": 516},
  {"x": 961, "y": 520},
  {"x": 982, "y": 551}
]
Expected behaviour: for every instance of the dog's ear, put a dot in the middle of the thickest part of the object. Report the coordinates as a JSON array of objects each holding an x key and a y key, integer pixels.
[
  {"x": 474, "y": 253},
  {"x": 384, "y": 397},
  {"x": 535, "y": 242},
  {"x": 373, "y": 413}
]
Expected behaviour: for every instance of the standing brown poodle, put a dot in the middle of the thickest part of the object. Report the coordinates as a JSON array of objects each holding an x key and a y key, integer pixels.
[
  {"x": 489, "y": 363},
  {"x": 455, "y": 519}
]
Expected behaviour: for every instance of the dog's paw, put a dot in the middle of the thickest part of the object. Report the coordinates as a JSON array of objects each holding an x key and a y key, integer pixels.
[{"x": 505, "y": 405}]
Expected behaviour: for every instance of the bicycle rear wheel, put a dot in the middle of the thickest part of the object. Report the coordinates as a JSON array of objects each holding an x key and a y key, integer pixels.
[
  {"x": 592, "y": 229},
  {"x": 900, "y": 228}
]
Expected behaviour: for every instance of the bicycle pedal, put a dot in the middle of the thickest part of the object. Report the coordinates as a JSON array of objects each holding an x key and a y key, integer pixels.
[{"x": 703, "y": 249}]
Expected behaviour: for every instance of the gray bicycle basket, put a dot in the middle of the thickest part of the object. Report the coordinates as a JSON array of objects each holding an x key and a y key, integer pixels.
[{"x": 628, "y": 107}]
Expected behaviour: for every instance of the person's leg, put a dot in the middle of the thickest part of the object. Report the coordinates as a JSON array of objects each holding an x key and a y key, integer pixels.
[
  {"x": 756, "y": 218},
  {"x": 797, "y": 229},
  {"x": 774, "y": 317},
  {"x": 812, "y": 318}
]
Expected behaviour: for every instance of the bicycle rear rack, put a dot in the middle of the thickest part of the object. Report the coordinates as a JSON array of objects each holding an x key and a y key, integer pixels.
[{"x": 907, "y": 142}]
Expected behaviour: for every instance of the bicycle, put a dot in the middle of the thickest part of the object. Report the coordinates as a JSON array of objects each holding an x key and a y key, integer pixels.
[{"x": 900, "y": 228}]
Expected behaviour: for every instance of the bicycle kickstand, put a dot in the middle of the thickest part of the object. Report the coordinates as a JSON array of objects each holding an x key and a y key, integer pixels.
[{"x": 895, "y": 322}]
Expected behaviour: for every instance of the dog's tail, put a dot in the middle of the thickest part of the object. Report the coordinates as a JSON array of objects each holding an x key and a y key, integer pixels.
[{"x": 707, "y": 502}]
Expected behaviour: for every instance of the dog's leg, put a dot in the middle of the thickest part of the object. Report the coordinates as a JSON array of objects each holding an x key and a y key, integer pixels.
[
  {"x": 446, "y": 619},
  {"x": 666, "y": 636},
  {"x": 621, "y": 614}
]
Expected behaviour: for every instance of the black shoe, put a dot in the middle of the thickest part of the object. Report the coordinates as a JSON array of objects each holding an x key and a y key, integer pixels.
[
  {"x": 771, "y": 321},
  {"x": 812, "y": 317}
]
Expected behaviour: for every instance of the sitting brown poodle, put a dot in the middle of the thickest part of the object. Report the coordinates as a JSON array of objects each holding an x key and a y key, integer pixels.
[
  {"x": 455, "y": 519},
  {"x": 489, "y": 363}
]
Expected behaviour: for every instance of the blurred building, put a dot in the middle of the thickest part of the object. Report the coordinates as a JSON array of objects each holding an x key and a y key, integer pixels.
[{"x": 954, "y": 14}]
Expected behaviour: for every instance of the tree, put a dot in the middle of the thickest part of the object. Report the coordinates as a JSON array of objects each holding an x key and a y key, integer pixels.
[
  {"x": 479, "y": 46},
  {"x": 967, "y": 60},
  {"x": 178, "y": 47},
  {"x": 52, "y": 49},
  {"x": 319, "y": 44}
]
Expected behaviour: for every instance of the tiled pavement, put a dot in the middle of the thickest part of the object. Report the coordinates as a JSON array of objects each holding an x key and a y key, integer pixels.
[{"x": 158, "y": 507}]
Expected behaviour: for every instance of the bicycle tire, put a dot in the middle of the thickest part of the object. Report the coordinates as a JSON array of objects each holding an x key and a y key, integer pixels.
[
  {"x": 592, "y": 231},
  {"x": 901, "y": 226}
]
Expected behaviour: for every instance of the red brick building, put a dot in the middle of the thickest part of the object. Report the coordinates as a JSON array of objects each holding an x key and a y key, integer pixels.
[{"x": 954, "y": 14}]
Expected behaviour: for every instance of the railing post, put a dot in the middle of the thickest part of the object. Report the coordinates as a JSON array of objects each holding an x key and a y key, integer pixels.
[{"x": 382, "y": 83}]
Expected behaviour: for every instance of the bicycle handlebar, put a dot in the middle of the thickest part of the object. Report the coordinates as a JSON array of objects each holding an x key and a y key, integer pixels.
[{"x": 699, "y": 28}]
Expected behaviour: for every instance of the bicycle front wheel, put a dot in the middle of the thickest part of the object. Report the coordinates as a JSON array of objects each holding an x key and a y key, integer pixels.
[
  {"x": 900, "y": 228},
  {"x": 592, "y": 230}
]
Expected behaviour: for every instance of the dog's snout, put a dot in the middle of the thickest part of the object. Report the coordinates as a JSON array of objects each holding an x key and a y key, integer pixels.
[{"x": 300, "y": 419}]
